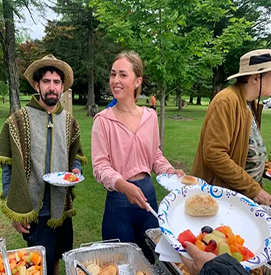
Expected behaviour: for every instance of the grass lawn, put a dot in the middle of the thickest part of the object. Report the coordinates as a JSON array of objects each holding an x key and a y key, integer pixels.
[{"x": 181, "y": 139}]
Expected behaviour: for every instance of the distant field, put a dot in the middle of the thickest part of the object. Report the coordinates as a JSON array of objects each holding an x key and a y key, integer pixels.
[{"x": 181, "y": 139}]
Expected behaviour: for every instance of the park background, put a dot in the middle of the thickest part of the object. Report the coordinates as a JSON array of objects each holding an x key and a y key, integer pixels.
[{"x": 189, "y": 48}]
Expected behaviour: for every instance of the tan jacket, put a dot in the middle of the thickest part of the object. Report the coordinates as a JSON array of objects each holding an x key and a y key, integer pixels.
[{"x": 223, "y": 147}]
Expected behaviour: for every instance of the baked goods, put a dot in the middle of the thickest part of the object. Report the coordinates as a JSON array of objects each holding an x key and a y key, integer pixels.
[
  {"x": 189, "y": 180},
  {"x": 157, "y": 238},
  {"x": 110, "y": 269},
  {"x": 201, "y": 205},
  {"x": 140, "y": 273},
  {"x": 94, "y": 269}
]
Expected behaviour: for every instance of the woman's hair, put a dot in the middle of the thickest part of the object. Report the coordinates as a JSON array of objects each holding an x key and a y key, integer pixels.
[{"x": 137, "y": 64}]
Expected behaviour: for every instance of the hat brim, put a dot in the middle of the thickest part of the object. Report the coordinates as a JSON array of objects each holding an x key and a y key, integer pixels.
[
  {"x": 59, "y": 64},
  {"x": 249, "y": 73}
]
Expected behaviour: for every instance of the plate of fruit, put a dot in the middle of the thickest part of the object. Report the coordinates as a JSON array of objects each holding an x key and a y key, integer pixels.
[
  {"x": 64, "y": 179},
  {"x": 30, "y": 260},
  {"x": 237, "y": 225},
  {"x": 268, "y": 173}
]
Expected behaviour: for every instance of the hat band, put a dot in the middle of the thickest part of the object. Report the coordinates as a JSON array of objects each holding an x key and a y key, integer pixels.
[{"x": 258, "y": 59}]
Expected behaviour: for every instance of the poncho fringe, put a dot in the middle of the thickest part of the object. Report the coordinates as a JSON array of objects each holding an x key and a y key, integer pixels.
[
  {"x": 5, "y": 160},
  {"x": 55, "y": 223},
  {"x": 82, "y": 158},
  {"x": 18, "y": 217}
]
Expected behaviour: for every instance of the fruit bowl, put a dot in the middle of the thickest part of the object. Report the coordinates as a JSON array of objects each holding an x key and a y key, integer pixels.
[{"x": 28, "y": 261}]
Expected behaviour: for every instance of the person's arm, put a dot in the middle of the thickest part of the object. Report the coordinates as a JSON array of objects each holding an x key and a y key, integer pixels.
[
  {"x": 102, "y": 169},
  {"x": 76, "y": 166},
  {"x": 6, "y": 176},
  {"x": 216, "y": 147}
]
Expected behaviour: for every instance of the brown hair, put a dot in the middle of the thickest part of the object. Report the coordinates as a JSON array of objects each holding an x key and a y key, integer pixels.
[{"x": 134, "y": 58}]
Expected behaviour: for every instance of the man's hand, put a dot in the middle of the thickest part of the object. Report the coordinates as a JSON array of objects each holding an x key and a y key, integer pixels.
[
  {"x": 199, "y": 258},
  {"x": 76, "y": 171},
  {"x": 263, "y": 198},
  {"x": 21, "y": 228}
]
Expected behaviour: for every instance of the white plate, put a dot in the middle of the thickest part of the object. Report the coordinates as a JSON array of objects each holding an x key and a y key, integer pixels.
[
  {"x": 172, "y": 181},
  {"x": 57, "y": 179},
  {"x": 244, "y": 216}
]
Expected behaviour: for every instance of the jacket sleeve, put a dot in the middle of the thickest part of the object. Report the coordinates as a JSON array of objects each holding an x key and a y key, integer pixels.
[
  {"x": 6, "y": 176},
  {"x": 216, "y": 147},
  {"x": 101, "y": 165},
  {"x": 223, "y": 264}
]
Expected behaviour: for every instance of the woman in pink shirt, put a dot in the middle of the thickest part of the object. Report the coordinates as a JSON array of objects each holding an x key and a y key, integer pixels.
[{"x": 125, "y": 150}]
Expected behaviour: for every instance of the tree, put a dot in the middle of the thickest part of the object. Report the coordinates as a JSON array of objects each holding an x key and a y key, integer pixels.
[
  {"x": 173, "y": 37},
  {"x": 7, "y": 36},
  {"x": 88, "y": 50}
]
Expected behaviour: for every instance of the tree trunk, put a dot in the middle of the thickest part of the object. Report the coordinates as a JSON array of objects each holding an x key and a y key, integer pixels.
[
  {"x": 217, "y": 80},
  {"x": 179, "y": 98},
  {"x": 191, "y": 99},
  {"x": 92, "y": 107},
  {"x": 10, "y": 57},
  {"x": 198, "y": 96},
  {"x": 162, "y": 118}
]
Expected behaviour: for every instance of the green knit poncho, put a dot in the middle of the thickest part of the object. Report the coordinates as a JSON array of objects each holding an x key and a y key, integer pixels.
[{"x": 23, "y": 145}]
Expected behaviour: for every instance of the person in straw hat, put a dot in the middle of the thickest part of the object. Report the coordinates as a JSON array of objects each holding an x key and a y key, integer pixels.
[
  {"x": 38, "y": 139},
  {"x": 231, "y": 152}
]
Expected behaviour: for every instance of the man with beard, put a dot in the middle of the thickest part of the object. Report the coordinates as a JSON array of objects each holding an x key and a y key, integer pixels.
[{"x": 38, "y": 139}]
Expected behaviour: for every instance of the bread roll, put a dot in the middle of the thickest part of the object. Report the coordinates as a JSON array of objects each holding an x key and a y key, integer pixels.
[
  {"x": 201, "y": 205},
  {"x": 110, "y": 269},
  {"x": 94, "y": 269},
  {"x": 189, "y": 180},
  {"x": 140, "y": 273}
]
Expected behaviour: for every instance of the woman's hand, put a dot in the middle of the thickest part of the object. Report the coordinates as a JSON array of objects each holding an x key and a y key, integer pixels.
[
  {"x": 178, "y": 172},
  {"x": 263, "y": 198},
  {"x": 132, "y": 192},
  {"x": 199, "y": 258}
]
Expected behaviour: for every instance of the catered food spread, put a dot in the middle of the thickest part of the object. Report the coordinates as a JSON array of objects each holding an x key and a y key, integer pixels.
[
  {"x": 23, "y": 262},
  {"x": 218, "y": 241}
]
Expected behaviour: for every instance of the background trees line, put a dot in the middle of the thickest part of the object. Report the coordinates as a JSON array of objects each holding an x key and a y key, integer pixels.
[{"x": 189, "y": 47}]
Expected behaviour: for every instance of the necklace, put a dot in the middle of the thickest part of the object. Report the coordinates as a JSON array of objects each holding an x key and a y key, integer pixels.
[{"x": 130, "y": 112}]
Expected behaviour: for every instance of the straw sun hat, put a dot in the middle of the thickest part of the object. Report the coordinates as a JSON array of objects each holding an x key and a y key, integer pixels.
[
  {"x": 50, "y": 60},
  {"x": 254, "y": 62}
]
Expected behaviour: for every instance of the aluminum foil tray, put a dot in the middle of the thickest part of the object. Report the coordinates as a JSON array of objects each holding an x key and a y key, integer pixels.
[
  {"x": 39, "y": 249},
  {"x": 153, "y": 235},
  {"x": 129, "y": 258}
]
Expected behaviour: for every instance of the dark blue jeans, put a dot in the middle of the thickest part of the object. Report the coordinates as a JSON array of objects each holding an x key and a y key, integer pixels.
[
  {"x": 128, "y": 222},
  {"x": 56, "y": 241}
]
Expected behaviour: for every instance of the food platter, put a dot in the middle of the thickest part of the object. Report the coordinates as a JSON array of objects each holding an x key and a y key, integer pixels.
[
  {"x": 172, "y": 181},
  {"x": 244, "y": 216},
  {"x": 57, "y": 179}
]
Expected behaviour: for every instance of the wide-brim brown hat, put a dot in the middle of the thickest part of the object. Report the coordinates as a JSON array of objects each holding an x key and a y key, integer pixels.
[
  {"x": 254, "y": 62},
  {"x": 50, "y": 60}
]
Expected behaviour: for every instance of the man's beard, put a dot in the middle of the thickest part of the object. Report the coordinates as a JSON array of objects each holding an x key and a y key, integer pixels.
[{"x": 50, "y": 101}]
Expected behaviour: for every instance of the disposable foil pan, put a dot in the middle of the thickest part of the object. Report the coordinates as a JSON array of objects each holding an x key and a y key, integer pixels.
[
  {"x": 129, "y": 258},
  {"x": 39, "y": 249},
  {"x": 153, "y": 235}
]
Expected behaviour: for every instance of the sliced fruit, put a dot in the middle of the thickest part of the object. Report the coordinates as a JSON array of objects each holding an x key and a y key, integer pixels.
[{"x": 223, "y": 248}]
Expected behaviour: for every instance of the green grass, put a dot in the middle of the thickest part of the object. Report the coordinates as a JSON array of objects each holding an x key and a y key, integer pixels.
[{"x": 181, "y": 139}]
